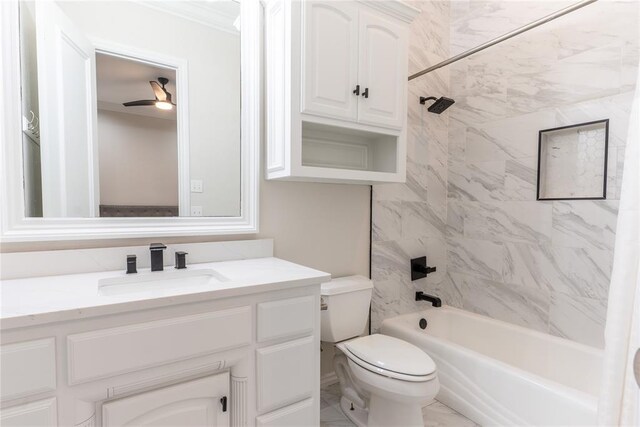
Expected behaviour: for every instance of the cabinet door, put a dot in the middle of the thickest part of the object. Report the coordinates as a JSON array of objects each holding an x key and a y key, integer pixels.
[
  {"x": 382, "y": 71},
  {"x": 330, "y": 59},
  {"x": 193, "y": 403}
]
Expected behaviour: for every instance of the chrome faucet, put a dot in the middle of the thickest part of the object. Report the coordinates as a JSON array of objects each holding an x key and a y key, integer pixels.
[{"x": 157, "y": 263}]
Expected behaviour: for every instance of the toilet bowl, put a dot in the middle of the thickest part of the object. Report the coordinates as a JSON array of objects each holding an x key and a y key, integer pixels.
[
  {"x": 384, "y": 381},
  {"x": 391, "y": 378}
]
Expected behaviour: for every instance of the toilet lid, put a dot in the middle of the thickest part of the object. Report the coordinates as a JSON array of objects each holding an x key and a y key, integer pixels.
[{"x": 391, "y": 354}]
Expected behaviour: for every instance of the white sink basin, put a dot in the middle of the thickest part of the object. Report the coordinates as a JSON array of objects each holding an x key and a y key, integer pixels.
[{"x": 159, "y": 281}]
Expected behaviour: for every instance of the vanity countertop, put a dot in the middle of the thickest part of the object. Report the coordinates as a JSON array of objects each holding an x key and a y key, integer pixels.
[{"x": 36, "y": 301}]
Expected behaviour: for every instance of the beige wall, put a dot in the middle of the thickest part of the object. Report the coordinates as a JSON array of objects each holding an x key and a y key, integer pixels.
[
  {"x": 138, "y": 160},
  {"x": 323, "y": 226}
]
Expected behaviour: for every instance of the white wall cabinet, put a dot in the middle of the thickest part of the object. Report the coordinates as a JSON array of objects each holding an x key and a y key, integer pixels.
[
  {"x": 382, "y": 70},
  {"x": 241, "y": 360},
  {"x": 330, "y": 59},
  {"x": 336, "y": 86}
]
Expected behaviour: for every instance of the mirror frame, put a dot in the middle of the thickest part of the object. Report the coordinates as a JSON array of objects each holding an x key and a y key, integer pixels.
[{"x": 15, "y": 227}]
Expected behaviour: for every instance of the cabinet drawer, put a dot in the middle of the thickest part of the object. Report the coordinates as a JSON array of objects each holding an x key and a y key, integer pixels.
[
  {"x": 300, "y": 414},
  {"x": 285, "y": 318},
  {"x": 108, "y": 352},
  {"x": 286, "y": 373},
  {"x": 27, "y": 368},
  {"x": 40, "y": 413}
]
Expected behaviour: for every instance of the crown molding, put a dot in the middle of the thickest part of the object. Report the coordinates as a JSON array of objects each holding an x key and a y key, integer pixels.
[
  {"x": 396, "y": 8},
  {"x": 204, "y": 13}
]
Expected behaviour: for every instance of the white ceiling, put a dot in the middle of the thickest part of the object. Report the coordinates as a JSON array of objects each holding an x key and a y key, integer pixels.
[{"x": 122, "y": 80}]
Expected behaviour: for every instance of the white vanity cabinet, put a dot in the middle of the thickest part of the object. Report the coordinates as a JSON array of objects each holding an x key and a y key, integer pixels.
[
  {"x": 336, "y": 88},
  {"x": 233, "y": 356}
]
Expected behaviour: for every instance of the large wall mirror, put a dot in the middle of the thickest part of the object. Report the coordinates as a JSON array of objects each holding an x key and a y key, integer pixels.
[{"x": 130, "y": 118}]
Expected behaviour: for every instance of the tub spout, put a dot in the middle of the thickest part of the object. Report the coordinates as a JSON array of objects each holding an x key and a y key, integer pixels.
[{"x": 435, "y": 301}]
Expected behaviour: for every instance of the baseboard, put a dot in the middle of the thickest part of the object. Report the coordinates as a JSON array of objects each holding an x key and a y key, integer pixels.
[{"x": 328, "y": 379}]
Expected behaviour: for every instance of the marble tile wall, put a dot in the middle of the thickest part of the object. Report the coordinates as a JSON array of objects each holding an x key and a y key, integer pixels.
[
  {"x": 469, "y": 200},
  {"x": 410, "y": 220},
  {"x": 544, "y": 265}
]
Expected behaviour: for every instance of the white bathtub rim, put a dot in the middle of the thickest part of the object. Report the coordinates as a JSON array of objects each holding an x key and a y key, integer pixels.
[
  {"x": 562, "y": 389},
  {"x": 512, "y": 326}
]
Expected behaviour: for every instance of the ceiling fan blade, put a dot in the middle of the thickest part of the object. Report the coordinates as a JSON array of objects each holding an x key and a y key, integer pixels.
[
  {"x": 158, "y": 91},
  {"x": 142, "y": 102}
]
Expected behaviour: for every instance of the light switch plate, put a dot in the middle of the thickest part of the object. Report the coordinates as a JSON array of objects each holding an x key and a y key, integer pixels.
[
  {"x": 196, "y": 186},
  {"x": 196, "y": 210}
]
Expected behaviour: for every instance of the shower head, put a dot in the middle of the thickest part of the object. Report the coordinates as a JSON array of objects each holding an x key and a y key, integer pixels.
[{"x": 439, "y": 106}]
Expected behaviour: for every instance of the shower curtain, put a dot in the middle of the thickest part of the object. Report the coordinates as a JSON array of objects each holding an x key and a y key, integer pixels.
[{"x": 620, "y": 396}]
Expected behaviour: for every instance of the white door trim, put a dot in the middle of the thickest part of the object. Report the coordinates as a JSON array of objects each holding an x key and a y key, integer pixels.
[{"x": 181, "y": 67}]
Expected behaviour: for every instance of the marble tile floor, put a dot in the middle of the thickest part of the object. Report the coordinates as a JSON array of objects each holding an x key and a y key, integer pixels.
[{"x": 435, "y": 415}]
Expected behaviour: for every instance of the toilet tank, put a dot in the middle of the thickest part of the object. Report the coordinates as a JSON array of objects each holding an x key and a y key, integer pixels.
[{"x": 347, "y": 302}]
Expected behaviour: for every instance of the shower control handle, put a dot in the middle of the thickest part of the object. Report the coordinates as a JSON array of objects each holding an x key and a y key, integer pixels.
[
  {"x": 366, "y": 92},
  {"x": 357, "y": 90}
]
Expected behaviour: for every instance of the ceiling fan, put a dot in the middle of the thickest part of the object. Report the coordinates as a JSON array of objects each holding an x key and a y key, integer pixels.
[{"x": 163, "y": 98}]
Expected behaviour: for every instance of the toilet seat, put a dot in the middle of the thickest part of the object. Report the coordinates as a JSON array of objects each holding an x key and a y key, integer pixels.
[{"x": 390, "y": 357}]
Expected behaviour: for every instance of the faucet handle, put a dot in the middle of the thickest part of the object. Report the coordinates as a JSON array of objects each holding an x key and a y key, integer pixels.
[
  {"x": 420, "y": 269},
  {"x": 131, "y": 264},
  {"x": 181, "y": 260}
]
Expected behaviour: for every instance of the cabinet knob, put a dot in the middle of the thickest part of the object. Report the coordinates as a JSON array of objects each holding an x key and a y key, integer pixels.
[
  {"x": 366, "y": 92},
  {"x": 223, "y": 402},
  {"x": 357, "y": 90}
]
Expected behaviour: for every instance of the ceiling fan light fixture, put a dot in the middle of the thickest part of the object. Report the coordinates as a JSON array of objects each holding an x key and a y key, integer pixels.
[
  {"x": 163, "y": 98},
  {"x": 164, "y": 105}
]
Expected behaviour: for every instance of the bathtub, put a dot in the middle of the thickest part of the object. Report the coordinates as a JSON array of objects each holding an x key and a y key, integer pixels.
[{"x": 496, "y": 373}]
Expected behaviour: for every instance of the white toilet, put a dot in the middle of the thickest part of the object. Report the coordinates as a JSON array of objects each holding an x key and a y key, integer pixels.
[{"x": 384, "y": 381}]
